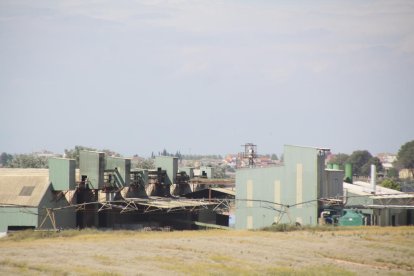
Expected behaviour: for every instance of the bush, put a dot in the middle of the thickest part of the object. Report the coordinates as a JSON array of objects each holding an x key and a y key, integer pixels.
[
  {"x": 282, "y": 227},
  {"x": 388, "y": 183}
]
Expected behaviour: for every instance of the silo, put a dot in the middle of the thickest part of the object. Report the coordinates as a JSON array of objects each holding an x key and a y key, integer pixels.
[{"x": 348, "y": 172}]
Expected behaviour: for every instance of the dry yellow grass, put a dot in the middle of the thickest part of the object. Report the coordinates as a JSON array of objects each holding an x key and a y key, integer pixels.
[{"x": 349, "y": 251}]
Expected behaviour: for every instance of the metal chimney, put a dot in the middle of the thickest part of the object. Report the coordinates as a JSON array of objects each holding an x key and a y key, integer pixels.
[{"x": 373, "y": 179}]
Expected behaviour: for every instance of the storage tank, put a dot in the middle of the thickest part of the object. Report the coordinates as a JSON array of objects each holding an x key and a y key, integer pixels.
[
  {"x": 336, "y": 166},
  {"x": 351, "y": 218},
  {"x": 348, "y": 172}
]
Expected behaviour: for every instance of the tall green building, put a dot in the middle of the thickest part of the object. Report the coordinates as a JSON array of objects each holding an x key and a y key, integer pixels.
[{"x": 284, "y": 194}]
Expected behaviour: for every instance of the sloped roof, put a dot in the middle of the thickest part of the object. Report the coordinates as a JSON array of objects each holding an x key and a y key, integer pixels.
[
  {"x": 23, "y": 187},
  {"x": 364, "y": 188}
]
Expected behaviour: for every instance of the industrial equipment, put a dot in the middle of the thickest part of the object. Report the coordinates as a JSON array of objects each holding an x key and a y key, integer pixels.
[{"x": 351, "y": 218}]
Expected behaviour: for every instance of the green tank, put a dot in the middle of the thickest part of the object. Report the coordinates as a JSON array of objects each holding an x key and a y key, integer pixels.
[
  {"x": 336, "y": 166},
  {"x": 348, "y": 172},
  {"x": 351, "y": 218},
  {"x": 330, "y": 166}
]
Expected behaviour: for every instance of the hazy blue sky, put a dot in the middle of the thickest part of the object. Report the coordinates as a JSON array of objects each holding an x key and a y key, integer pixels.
[{"x": 206, "y": 76}]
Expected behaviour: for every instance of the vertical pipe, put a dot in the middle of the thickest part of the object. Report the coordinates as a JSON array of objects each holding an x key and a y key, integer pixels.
[{"x": 373, "y": 178}]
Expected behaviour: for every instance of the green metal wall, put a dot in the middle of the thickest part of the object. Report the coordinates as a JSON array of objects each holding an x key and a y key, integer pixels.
[
  {"x": 348, "y": 172},
  {"x": 188, "y": 170},
  {"x": 294, "y": 182},
  {"x": 123, "y": 166},
  {"x": 17, "y": 216},
  {"x": 62, "y": 174},
  {"x": 65, "y": 218},
  {"x": 92, "y": 164},
  {"x": 170, "y": 165},
  {"x": 33, "y": 216},
  {"x": 208, "y": 170}
]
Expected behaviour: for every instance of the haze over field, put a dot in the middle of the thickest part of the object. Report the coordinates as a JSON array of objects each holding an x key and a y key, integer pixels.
[{"x": 206, "y": 76}]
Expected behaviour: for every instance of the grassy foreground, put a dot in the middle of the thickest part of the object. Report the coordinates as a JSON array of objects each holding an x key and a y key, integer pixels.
[{"x": 311, "y": 251}]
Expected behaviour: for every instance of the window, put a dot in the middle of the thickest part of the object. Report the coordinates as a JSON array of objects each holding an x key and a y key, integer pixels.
[{"x": 27, "y": 191}]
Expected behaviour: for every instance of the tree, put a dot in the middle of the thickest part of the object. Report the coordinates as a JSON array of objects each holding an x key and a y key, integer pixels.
[
  {"x": 405, "y": 156},
  {"x": 219, "y": 171},
  {"x": 74, "y": 153},
  {"x": 111, "y": 153},
  {"x": 5, "y": 159},
  {"x": 341, "y": 159},
  {"x": 274, "y": 157},
  {"x": 147, "y": 164},
  {"x": 392, "y": 173},
  {"x": 29, "y": 161},
  {"x": 389, "y": 183},
  {"x": 366, "y": 168},
  {"x": 358, "y": 159}
]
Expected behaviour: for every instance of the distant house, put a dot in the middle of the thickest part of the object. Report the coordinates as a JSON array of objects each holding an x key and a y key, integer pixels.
[
  {"x": 387, "y": 160},
  {"x": 406, "y": 174}
]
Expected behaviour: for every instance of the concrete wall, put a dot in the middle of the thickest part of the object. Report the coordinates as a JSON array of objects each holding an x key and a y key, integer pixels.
[{"x": 332, "y": 184}]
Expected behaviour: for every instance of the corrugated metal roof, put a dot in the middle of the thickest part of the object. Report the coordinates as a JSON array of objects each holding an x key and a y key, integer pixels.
[
  {"x": 23, "y": 187},
  {"x": 364, "y": 188},
  {"x": 168, "y": 203},
  {"x": 225, "y": 191},
  {"x": 211, "y": 192}
]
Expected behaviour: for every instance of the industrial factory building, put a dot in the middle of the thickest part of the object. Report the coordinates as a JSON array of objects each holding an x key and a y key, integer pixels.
[
  {"x": 104, "y": 192},
  {"x": 288, "y": 193},
  {"x": 305, "y": 192},
  {"x": 379, "y": 205},
  {"x": 25, "y": 196}
]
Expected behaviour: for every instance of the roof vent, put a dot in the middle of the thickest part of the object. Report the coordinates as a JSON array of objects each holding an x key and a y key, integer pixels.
[{"x": 27, "y": 191}]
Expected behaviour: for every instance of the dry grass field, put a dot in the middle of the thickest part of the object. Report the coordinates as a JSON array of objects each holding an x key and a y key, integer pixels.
[{"x": 351, "y": 251}]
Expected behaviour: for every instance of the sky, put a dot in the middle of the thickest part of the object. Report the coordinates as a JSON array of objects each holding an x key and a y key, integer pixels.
[{"x": 205, "y": 77}]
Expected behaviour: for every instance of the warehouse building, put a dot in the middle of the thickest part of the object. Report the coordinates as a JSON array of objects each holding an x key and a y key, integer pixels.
[
  {"x": 104, "y": 192},
  {"x": 379, "y": 205},
  {"x": 288, "y": 193},
  {"x": 26, "y": 195}
]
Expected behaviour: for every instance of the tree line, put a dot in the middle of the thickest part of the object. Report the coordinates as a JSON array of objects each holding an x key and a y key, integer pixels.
[
  {"x": 360, "y": 159},
  {"x": 34, "y": 160},
  {"x": 180, "y": 156}
]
